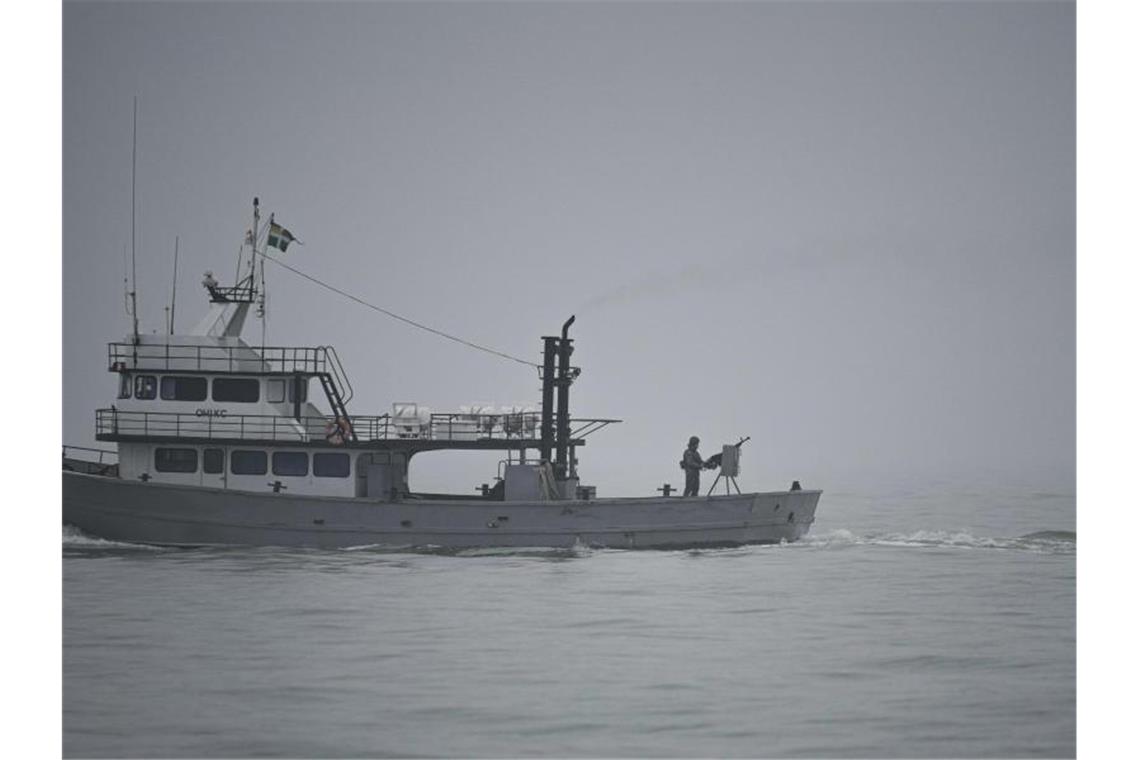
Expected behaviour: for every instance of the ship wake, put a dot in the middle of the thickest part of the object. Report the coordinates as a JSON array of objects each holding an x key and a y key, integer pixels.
[
  {"x": 75, "y": 540},
  {"x": 1039, "y": 542}
]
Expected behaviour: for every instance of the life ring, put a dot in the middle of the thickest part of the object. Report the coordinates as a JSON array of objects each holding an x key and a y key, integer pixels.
[{"x": 338, "y": 431}]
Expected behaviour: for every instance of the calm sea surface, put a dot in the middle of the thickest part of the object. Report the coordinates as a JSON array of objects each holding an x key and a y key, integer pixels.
[{"x": 933, "y": 621}]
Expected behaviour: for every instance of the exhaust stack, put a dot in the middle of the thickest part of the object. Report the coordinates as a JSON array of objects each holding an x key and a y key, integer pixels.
[
  {"x": 562, "y": 434},
  {"x": 555, "y": 432}
]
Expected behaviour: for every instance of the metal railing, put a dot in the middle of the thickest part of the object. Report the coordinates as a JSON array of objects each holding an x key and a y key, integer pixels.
[
  {"x": 167, "y": 357},
  {"x": 337, "y": 373},
  {"x": 234, "y": 293},
  {"x": 113, "y": 424},
  {"x": 458, "y": 426},
  {"x": 585, "y": 427},
  {"x": 79, "y": 459},
  {"x": 108, "y": 453}
]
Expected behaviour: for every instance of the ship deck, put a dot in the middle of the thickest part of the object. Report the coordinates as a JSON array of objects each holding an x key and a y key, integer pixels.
[{"x": 458, "y": 431}]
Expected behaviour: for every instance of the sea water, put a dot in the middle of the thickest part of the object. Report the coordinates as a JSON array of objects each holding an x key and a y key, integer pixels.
[{"x": 920, "y": 621}]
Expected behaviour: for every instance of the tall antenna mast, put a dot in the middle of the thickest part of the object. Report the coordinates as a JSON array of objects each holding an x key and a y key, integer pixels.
[
  {"x": 253, "y": 276},
  {"x": 253, "y": 246},
  {"x": 126, "y": 285},
  {"x": 134, "y": 297},
  {"x": 174, "y": 285}
]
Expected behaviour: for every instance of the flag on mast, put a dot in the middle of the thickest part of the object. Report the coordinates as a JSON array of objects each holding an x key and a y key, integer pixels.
[{"x": 279, "y": 237}]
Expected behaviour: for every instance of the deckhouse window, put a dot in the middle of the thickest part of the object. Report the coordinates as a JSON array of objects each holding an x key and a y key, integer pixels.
[
  {"x": 330, "y": 465},
  {"x": 175, "y": 460},
  {"x": 246, "y": 390},
  {"x": 213, "y": 461},
  {"x": 124, "y": 385},
  {"x": 146, "y": 386},
  {"x": 247, "y": 462},
  {"x": 180, "y": 388},
  {"x": 275, "y": 390},
  {"x": 302, "y": 386},
  {"x": 290, "y": 463}
]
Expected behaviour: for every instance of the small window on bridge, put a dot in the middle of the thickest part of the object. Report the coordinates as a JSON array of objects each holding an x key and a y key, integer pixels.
[
  {"x": 182, "y": 388},
  {"x": 245, "y": 390},
  {"x": 275, "y": 390},
  {"x": 302, "y": 386},
  {"x": 146, "y": 387}
]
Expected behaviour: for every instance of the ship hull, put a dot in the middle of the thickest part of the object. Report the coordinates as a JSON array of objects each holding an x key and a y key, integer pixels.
[{"x": 175, "y": 515}]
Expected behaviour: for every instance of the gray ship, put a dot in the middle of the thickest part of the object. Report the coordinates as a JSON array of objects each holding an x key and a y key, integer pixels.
[{"x": 218, "y": 442}]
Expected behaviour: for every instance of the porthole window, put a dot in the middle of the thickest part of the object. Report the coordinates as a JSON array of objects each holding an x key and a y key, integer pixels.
[
  {"x": 213, "y": 461},
  {"x": 175, "y": 460},
  {"x": 293, "y": 463},
  {"x": 330, "y": 465},
  {"x": 247, "y": 462},
  {"x": 243, "y": 390},
  {"x": 181, "y": 388},
  {"x": 146, "y": 387}
]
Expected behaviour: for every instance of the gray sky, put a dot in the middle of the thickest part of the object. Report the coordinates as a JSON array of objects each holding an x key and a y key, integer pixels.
[{"x": 846, "y": 230}]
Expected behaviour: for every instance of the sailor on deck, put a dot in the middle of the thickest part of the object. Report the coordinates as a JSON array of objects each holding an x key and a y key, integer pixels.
[{"x": 692, "y": 464}]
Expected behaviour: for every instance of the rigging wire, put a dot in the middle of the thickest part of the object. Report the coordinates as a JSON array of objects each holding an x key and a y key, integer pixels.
[{"x": 394, "y": 315}]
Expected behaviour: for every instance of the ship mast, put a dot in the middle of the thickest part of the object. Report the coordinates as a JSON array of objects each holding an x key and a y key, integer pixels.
[
  {"x": 253, "y": 273},
  {"x": 174, "y": 285},
  {"x": 253, "y": 247},
  {"x": 134, "y": 298}
]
